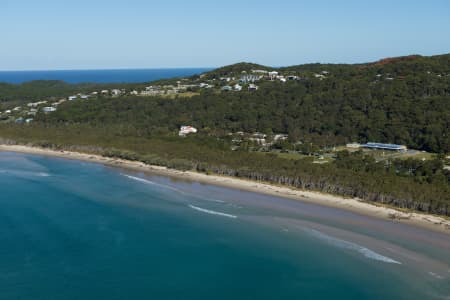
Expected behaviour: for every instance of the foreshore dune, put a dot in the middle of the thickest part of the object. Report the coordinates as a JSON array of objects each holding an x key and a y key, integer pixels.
[{"x": 427, "y": 221}]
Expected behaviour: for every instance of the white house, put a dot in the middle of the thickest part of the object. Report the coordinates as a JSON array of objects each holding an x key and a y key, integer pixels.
[
  {"x": 116, "y": 92},
  {"x": 260, "y": 71},
  {"x": 185, "y": 130},
  {"x": 273, "y": 75},
  {"x": 353, "y": 145},
  {"x": 252, "y": 87},
  {"x": 238, "y": 87},
  {"x": 48, "y": 109},
  {"x": 280, "y": 137},
  {"x": 35, "y": 104},
  {"x": 71, "y": 98}
]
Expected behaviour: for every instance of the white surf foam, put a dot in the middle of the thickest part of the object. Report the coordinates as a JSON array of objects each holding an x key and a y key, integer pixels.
[
  {"x": 366, "y": 252},
  {"x": 437, "y": 276},
  {"x": 25, "y": 173},
  {"x": 212, "y": 212},
  {"x": 170, "y": 188}
]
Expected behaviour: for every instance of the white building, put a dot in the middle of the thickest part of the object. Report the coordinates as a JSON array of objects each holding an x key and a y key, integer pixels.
[
  {"x": 35, "y": 104},
  {"x": 280, "y": 137},
  {"x": 273, "y": 75},
  {"x": 48, "y": 109},
  {"x": 260, "y": 71},
  {"x": 353, "y": 145},
  {"x": 252, "y": 87},
  {"x": 185, "y": 130},
  {"x": 238, "y": 87},
  {"x": 116, "y": 92}
]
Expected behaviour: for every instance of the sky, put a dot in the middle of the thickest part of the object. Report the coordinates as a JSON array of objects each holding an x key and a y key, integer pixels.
[{"x": 109, "y": 34}]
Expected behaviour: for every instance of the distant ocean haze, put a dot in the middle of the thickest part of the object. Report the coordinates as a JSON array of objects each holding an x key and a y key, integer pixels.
[{"x": 100, "y": 76}]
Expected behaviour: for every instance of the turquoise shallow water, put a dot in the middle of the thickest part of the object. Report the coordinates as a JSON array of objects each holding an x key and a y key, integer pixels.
[{"x": 76, "y": 230}]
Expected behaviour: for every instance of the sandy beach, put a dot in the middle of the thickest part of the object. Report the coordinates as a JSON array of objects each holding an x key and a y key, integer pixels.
[{"x": 431, "y": 222}]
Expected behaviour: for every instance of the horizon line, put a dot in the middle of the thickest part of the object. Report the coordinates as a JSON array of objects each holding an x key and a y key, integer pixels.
[
  {"x": 224, "y": 65},
  {"x": 106, "y": 69}
]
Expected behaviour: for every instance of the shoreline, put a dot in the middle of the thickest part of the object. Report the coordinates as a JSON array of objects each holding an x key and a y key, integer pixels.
[{"x": 426, "y": 221}]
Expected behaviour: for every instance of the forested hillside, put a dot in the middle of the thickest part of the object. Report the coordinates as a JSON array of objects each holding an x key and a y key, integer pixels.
[{"x": 405, "y": 102}]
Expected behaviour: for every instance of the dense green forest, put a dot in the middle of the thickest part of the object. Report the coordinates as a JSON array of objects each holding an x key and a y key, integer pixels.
[
  {"x": 403, "y": 100},
  {"x": 352, "y": 104}
]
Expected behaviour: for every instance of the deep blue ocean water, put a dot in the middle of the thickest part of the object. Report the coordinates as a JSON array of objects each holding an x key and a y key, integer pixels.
[
  {"x": 99, "y": 76},
  {"x": 77, "y": 230}
]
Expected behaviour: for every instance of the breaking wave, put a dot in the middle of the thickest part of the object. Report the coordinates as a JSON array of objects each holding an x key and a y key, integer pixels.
[
  {"x": 352, "y": 246},
  {"x": 170, "y": 188},
  {"x": 212, "y": 212},
  {"x": 25, "y": 173}
]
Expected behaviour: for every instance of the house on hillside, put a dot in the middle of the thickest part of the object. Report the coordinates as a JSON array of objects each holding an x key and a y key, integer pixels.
[
  {"x": 249, "y": 78},
  {"x": 273, "y": 75},
  {"x": 49, "y": 109},
  {"x": 353, "y": 145},
  {"x": 252, "y": 87},
  {"x": 260, "y": 71},
  {"x": 185, "y": 130},
  {"x": 116, "y": 92}
]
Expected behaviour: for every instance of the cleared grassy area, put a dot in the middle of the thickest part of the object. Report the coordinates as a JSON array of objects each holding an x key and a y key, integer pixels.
[
  {"x": 291, "y": 155},
  {"x": 383, "y": 155}
]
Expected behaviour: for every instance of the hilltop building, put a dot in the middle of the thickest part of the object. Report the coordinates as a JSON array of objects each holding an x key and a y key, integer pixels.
[{"x": 185, "y": 130}]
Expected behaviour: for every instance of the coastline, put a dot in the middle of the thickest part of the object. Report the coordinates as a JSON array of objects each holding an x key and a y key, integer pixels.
[{"x": 426, "y": 221}]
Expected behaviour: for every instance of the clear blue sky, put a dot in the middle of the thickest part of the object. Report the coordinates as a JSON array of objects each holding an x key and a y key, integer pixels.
[{"x": 92, "y": 34}]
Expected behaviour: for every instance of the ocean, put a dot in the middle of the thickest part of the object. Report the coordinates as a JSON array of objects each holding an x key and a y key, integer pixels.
[
  {"x": 99, "y": 76},
  {"x": 78, "y": 230}
]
